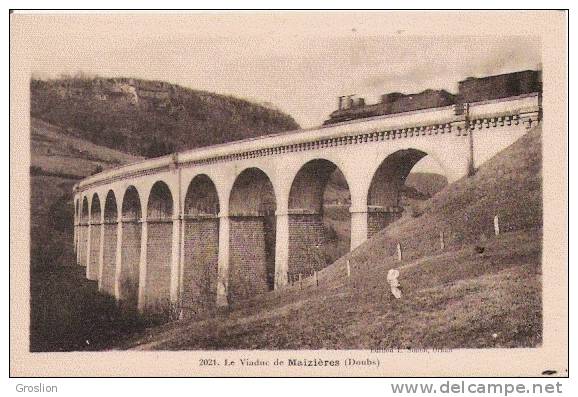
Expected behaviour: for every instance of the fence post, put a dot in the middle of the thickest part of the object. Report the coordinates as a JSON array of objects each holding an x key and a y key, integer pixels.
[
  {"x": 348, "y": 269},
  {"x": 300, "y": 283},
  {"x": 399, "y": 253},
  {"x": 496, "y": 225},
  {"x": 442, "y": 242}
]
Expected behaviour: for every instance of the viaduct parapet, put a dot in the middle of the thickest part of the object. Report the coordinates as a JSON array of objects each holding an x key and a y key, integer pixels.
[{"x": 215, "y": 225}]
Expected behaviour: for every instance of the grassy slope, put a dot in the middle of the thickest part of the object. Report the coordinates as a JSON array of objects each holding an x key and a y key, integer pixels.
[
  {"x": 452, "y": 298},
  {"x": 63, "y": 161},
  {"x": 67, "y": 313},
  {"x": 55, "y": 150},
  {"x": 427, "y": 183},
  {"x": 419, "y": 186}
]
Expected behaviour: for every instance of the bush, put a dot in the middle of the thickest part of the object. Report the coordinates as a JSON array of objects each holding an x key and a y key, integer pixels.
[
  {"x": 330, "y": 233},
  {"x": 97, "y": 170},
  {"x": 416, "y": 211}
]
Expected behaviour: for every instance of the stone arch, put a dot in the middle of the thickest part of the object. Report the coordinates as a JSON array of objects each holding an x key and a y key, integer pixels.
[
  {"x": 160, "y": 202},
  {"x": 159, "y": 247},
  {"x": 202, "y": 197},
  {"x": 319, "y": 221},
  {"x": 252, "y": 206},
  {"x": 384, "y": 194},
  {"x": 83, "y": 232},
  {"x": 110, "y": 208},
  {"x": 130, "y": 247},
  {"x": 131, "y": 204},
  {"x": 95, "y": 225},
  {"x": 109, "y": 242},
  {"x": 85, "y": 212},
  {"x": 252, "y": 193},
  {"x": 95, "y": 209},
  {"x": 200, "y": 245}
]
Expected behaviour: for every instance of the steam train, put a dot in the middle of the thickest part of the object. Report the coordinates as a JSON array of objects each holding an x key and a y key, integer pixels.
[{"x": 470, "y": 90}]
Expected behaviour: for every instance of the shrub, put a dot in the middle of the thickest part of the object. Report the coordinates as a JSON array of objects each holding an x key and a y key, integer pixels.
[
  {"x": 97, "y": 170},
  {"x": 416, "y": 211}
]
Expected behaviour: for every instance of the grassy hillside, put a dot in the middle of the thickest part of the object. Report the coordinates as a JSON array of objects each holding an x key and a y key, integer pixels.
[
  {"x": 58, "y": 161},
  {"x": 419, "y": 186},
  {"x": 452, "y": 298},
  {"x": 149, "y": 118},
  {"x": 67, "y": 312},
  {"x": 426, "y": 183}
]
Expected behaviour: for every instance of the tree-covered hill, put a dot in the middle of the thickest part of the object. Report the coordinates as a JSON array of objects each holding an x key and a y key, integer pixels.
[{"x": 149, "y": 118}]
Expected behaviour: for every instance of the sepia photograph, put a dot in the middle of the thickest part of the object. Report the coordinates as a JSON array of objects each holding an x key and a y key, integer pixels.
[{"x": 294, "y": 193}]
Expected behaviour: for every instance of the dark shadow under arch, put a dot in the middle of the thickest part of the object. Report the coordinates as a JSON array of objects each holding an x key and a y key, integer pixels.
[
  {"x": 252, "y": 235},
  {"x": 130, "y": 247},
  {"x": 159, "y": 248},
  {"x": 319, "y": 218},
  {"x": 200, "y": 246},
  {"x": 94, "y": 254},
  {"x": 384, "y": 197},
  {"x": 76, "y": 226},
  {"x": 83, "y": 233},
  {"x": 109, "y": 243}
]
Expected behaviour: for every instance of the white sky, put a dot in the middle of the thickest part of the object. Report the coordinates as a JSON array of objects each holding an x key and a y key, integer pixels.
[{"x": 298, "y": 63}]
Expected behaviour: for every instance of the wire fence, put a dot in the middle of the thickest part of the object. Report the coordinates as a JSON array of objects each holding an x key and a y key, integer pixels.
[{"x": 312, "y": 278}]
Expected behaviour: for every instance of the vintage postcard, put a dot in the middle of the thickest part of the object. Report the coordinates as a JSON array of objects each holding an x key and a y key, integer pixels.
[{"x": 289, "y": 193}]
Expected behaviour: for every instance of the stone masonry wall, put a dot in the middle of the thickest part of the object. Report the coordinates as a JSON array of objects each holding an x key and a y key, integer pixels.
[
  {"x": 82, "y": 244},
  {"x": 270, "y": 230},
  {"x": 109, "y": 258},
  {"x": 130, "y": 259},
  {"x": 201, "y": 254},
  {"x": 158, "y": 277},
  {"x": 94, "y": 252},
  {"x": 306, "y": 232},
  {"x": 377, "y": 221},
  {"x": 248, "y": 258}
]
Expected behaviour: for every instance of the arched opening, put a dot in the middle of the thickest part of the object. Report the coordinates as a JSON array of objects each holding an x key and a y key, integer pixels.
[
  {"x": 130, "y": 247},
  {"x": 109, "y": 243},
  {"x": 319, "y": 218},
  {"x": 94, "y": 255},
  {"x": 252, "y": 208},
  {"x": 83, "y": 233},
  {"x": 159, "y": 247},
  {"x": 402, "y": 181},
  {"x": 201, "y": 245}
]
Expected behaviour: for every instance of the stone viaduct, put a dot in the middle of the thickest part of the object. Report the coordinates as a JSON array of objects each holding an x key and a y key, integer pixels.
[{"x": 215, "y": 225}]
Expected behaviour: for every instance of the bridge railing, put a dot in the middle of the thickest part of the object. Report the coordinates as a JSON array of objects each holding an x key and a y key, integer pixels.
[
  {"x": 432, "y": 116},
  {"x": 369, "y": 125}
]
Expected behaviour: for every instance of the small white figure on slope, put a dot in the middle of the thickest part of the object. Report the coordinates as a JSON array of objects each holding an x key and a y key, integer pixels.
[{"x": 392, "y": 276}]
